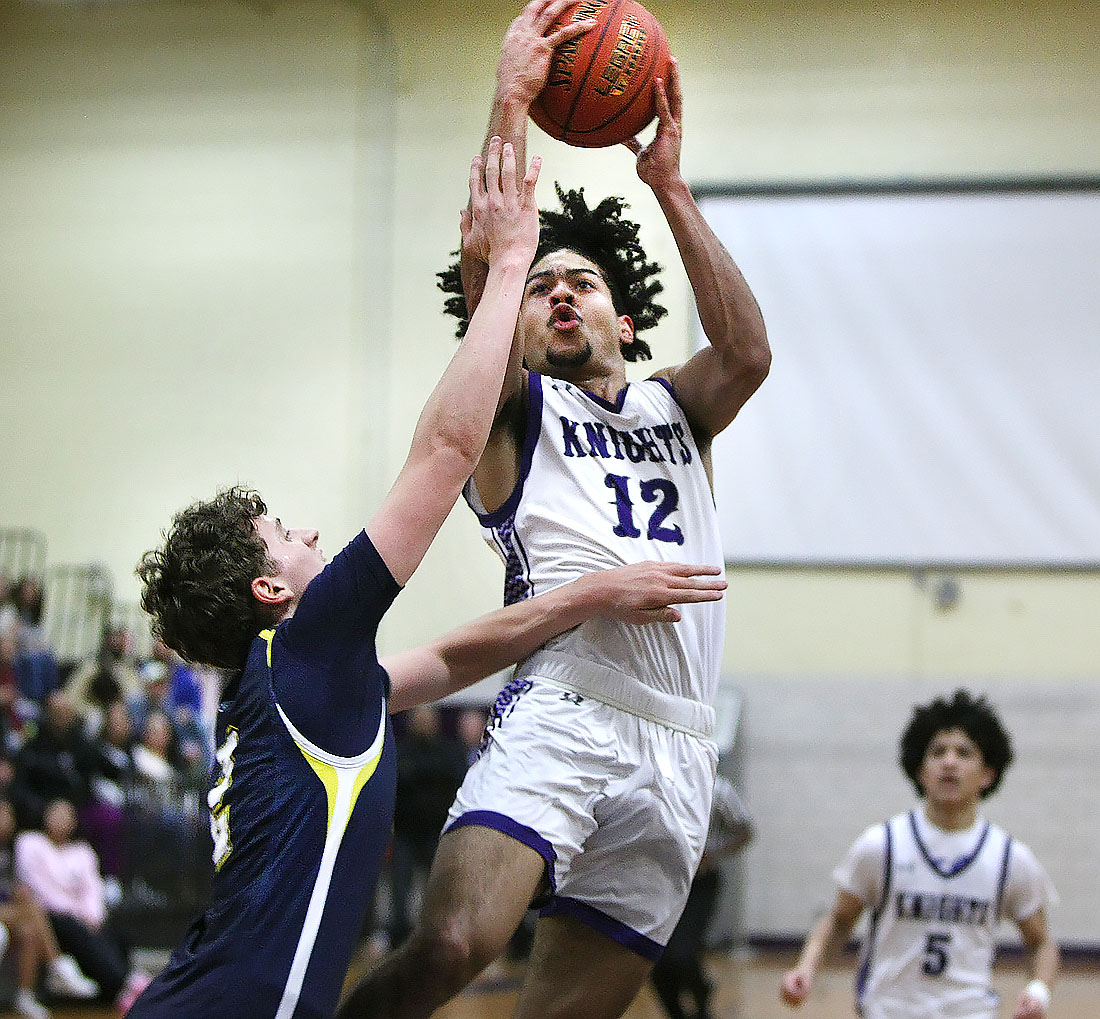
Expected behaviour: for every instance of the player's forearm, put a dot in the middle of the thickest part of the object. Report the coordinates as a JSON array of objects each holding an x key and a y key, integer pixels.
[
  {"x": 508, "y": 121},
  {"x": 823, "y": 939},
  {"x": 728, "y": 310},
  {"x": 1045, "y": 959},
  {"x": 454, "y": 425},
  {"x": 509, "y": 635},
  {"x": 489, "y": 644}
]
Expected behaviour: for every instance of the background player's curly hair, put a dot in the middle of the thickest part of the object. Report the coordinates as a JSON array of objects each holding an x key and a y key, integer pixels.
[
  {"x": 975, "y": 716},
  {"x": 198, "y": 584},
  {"x": 602, "y": 235}
]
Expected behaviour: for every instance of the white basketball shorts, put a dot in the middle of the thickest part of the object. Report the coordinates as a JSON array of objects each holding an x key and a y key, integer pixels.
[{"x": 616, "y": 804}]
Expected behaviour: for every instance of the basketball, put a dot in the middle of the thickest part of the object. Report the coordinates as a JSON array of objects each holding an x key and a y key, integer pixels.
[{"x": 600, "y": 89}]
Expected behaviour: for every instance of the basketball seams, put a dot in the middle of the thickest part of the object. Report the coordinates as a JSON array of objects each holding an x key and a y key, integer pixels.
[
  {"x": 626, "y": 49},
  {"x": 609, "y": 19},
  {"x": 644, "y": 74}
]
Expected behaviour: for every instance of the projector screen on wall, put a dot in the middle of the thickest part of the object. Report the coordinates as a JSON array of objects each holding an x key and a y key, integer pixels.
[{"x": 935, "y": 382}]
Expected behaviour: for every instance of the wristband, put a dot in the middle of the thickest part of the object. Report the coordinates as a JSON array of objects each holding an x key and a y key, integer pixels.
[{"x": 1040, "y": 992}]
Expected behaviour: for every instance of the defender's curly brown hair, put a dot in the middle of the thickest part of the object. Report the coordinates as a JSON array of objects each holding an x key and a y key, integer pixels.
[
  {"x": 198, "y": 584},
  {"x": 601, "y": 235}
]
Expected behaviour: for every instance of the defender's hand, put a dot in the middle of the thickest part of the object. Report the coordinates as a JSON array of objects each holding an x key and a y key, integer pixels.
[
  {"x": 645, "y": 592},
  {"x": 503, "y": 219}
]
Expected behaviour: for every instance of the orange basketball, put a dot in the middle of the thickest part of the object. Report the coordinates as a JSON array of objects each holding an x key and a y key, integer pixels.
[{"x": 600, "y": 88}]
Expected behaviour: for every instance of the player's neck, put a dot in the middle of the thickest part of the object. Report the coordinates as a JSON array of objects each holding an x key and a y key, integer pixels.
[
  {"x": 605, "y": 385},
  {"x": 953, "y": 816}
]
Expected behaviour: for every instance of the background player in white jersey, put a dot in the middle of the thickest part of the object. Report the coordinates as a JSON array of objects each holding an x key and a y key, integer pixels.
[
  {"x": 593, "y": 791},
  {"x": 936, "y": 881}
]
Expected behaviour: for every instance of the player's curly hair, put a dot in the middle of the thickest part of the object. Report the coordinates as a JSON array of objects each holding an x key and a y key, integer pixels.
[
  {"x": 601, "y": 235},
  {"x": 975, "y": 716},
  {"x": 198, "y": 584}
]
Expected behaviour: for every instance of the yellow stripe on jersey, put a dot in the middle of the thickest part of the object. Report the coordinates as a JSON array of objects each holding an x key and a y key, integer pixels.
[
  {"x": 330, "y": 776},
  {"x": 269, "y": 636},
  {"x": 343, "y": 779}
]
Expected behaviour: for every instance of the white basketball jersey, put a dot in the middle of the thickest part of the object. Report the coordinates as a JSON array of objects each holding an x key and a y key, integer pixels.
[
  {"x": 929, "y": 947},
  {"x": 602, "y": 485}
]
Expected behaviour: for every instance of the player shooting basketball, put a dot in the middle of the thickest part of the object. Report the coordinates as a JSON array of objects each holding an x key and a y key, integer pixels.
[{"x": 593, "y": 793}]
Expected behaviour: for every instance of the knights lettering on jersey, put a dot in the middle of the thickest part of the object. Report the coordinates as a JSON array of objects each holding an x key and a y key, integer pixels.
[
  {"x": 663, "y": 443},
  {"x": 950, "y": 909}
]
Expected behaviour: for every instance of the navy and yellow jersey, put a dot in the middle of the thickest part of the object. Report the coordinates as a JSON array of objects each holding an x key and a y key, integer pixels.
[{"x": 301, "y": 805}]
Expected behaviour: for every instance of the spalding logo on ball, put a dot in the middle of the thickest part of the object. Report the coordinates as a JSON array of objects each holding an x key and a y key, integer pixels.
[{"x": 600, "y": 89}]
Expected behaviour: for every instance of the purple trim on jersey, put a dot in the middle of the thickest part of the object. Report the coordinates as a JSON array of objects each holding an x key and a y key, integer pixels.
[
  {"x": 668, "y": 385},
  {"x": 864, "y": 972},
  {"x": 517, "y": 565},
  {"x": 887, "y": 868},
  {"x": 960, "y": 864},
  {"x": 509, "y": 826},
  {"x": 562, "y": 905},
  {"x": 1003, "y": 879},
  {"x": 615, "y": 405},
  {"x": 532, "y": 430}
]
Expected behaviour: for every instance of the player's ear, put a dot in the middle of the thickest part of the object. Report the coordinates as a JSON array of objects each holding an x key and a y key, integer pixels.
[
  {"x": 626, "y": 330},
  {"x": 988, "y": 775},
  {"x": 271, "y": 591}
]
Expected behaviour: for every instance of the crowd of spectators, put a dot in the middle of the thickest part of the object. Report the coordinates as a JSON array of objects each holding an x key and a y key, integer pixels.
[{"x": 104, "y": 764}]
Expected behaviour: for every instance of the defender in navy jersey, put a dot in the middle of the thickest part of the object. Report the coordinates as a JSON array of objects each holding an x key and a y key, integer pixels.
[
  {"x": 303, "y": 788},
  {"x": 301, "y": 798},
  {"x": 593, "y": 790},
  {"x": 936, "y": 881}
]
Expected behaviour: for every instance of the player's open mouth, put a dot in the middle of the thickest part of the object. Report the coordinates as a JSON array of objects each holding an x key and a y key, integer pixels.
[{"x": 563, "y": 318}]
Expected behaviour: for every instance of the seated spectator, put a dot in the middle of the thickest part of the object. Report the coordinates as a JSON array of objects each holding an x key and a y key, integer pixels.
[
  {"x": 153, "y": 754},
  {"x": 164, "y": 811},
  {"x": 64, "y": 878},
  {"x": 11, "y": 721},
  {"x": 9, "y": 615},
  {"x": 110, "y": 677},
  {"x": 115, "y": 748},
  {"x": 56, "y": 762},
  {"x": 27, "y": 927},
  {"x": 184, "y": 681},
  {"x": 192, "y": 743},
  {"x": 103, "y": 820},
  {"x": 27, "y": 597},
  {"x": 36, "y": 669}
]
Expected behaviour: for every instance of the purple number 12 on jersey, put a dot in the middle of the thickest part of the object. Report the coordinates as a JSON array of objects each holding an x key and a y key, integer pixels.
[{"x": 657, "y": 490}]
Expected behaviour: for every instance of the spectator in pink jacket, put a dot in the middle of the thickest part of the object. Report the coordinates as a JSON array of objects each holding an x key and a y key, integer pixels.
[
  {"x": 25, "y": 931},
  {"x": 63, "y": 876}
]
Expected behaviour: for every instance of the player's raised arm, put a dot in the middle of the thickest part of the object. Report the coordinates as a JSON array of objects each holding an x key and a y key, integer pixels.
[
  {"x": 714, "y": 384},
  {"x": 522, "y": 71},
  {"x": 639, "y": 593},
  {"x": 454, "y": 425}
]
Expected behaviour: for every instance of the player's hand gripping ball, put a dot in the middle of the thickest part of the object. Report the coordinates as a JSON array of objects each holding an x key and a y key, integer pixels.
[{"x": 600, "y": 90}]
